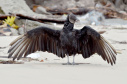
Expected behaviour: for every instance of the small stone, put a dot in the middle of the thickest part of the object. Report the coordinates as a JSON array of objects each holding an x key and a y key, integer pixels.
[
  {"x": 21, "y": 30},
  {"x": 126, "y": 8},
  {"x": 42, "y": 60},
  {"x": 122, "y": 7},
  {"x": 14, "y": 32},
  {"x": 5, "y": 32},
  {"x": 29, "y": 25},
  {"x": 93, "y": 17},
  {"x": 99, "y": 5},
  {"x": 41, "y": 10}
]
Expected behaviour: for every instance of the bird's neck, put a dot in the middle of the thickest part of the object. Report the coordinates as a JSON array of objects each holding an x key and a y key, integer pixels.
[{"x": 68, "y": 26}]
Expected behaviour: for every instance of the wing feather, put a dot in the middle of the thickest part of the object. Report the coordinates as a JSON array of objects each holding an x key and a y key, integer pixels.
[
  {"x": 16, "y": 39},
  {"x": 13, "y": 48},
  {"x": 16, "y": 52},
  {"x": 42, "y": 38},
  {"x": 27, "y": 51},
  {"x": 93, "y": 42},
  {"x": 110, "y": 51},
  {"x": 23, "y": 49},
  {"x": 107, "y": 53}
]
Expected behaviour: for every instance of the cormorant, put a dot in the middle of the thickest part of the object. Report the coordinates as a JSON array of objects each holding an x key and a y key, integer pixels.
[{"x": 64, "y": 42}]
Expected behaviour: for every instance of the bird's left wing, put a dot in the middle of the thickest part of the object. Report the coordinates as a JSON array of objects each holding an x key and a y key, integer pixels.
[
  {"x": 38, "y": 39},
  {"x": 91, "y": 42}
]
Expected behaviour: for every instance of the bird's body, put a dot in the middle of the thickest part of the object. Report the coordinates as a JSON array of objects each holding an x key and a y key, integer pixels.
[
  {"x": 68, "y": 40},
  {"x": 65, "y": 42}
]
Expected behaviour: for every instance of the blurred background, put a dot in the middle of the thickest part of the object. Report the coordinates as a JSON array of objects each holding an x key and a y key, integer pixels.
[{"x": 19, "y": 16}]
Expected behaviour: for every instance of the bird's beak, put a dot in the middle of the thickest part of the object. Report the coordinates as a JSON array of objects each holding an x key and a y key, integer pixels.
[{"x": 77, "y": 20}]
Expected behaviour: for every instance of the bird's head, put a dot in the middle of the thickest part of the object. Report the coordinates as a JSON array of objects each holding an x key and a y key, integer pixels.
[
  {"x": 69, "y": 23},
  {"x": 72, "y": 18}
]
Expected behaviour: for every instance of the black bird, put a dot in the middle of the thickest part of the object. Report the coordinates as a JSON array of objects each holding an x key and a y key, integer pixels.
[{"x": 64, "y": 42}]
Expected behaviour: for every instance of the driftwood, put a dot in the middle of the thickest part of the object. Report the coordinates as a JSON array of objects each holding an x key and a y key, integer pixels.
[
  {"x": 115, "y": 14},
  {"x": 10, "y": 62},
  {"x": 42, "y": 20},
  {"x": 110, "y": 13},
  {"x": 76, "y": 11},
  {"x": 101, "y": 32},
  {"x": 3, "y": 47},
  {"x": 107, "y": 11}
]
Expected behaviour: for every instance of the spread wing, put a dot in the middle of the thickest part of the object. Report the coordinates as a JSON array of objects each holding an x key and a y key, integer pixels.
[
  {"x": 91, "y": 42},
  {"x": 39, "y": 39}
]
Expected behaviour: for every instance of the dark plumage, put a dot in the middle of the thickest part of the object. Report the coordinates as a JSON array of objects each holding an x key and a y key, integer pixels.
[{"x": 67, "y": 41}]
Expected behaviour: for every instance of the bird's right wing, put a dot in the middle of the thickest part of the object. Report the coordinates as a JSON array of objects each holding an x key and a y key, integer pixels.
[
  {"x": 38, "y": 39},
  {"x": 91, "y": 42}
]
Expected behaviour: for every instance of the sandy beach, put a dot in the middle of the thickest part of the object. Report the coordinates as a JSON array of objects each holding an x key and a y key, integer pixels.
[
  {"x": 52, "y": 71},
  {"x": 108, "y": 16}
]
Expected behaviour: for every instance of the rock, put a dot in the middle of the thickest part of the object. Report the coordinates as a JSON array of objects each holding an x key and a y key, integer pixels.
[
  {"x": 5, "y": 31},
  {"x": 96, "y": 17},
  {"x": 30, "y": 3},
  {"x": 118, "y": 3},
  {"x": 8, "y": 31},
  {"x": 1, "y": 34},
  {"x": 84, "y": 19},
  {"x": 126, "y": 8},
  {"x": 18, "y": 7},
  {"x": 98, "y": 5},
  {"x": 62, "y": 4},
  {"x": 14, "y": 31},
  {"x": 52, "y": 3},
  {"x": 110, "y": 5},
  {"x": 1, "y": 11},
  {"x": 21, "y": 30},
  {"x": 105, "y": 3},
  {"x": 84, "y": 3},
  {"x": 102, "y": 2},
  {"x": 41, "y": 10},
  {"x": 93, "y": 17},
  {"x": 123, "y": 12},
  {"x": 33, "y": 24},
  {"x": 122, "y": 7}
]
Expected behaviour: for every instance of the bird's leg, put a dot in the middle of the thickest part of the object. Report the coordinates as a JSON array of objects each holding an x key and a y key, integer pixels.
[
  {"x": 68, "y": 63},
  {"x": 74, "y": 61}
]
